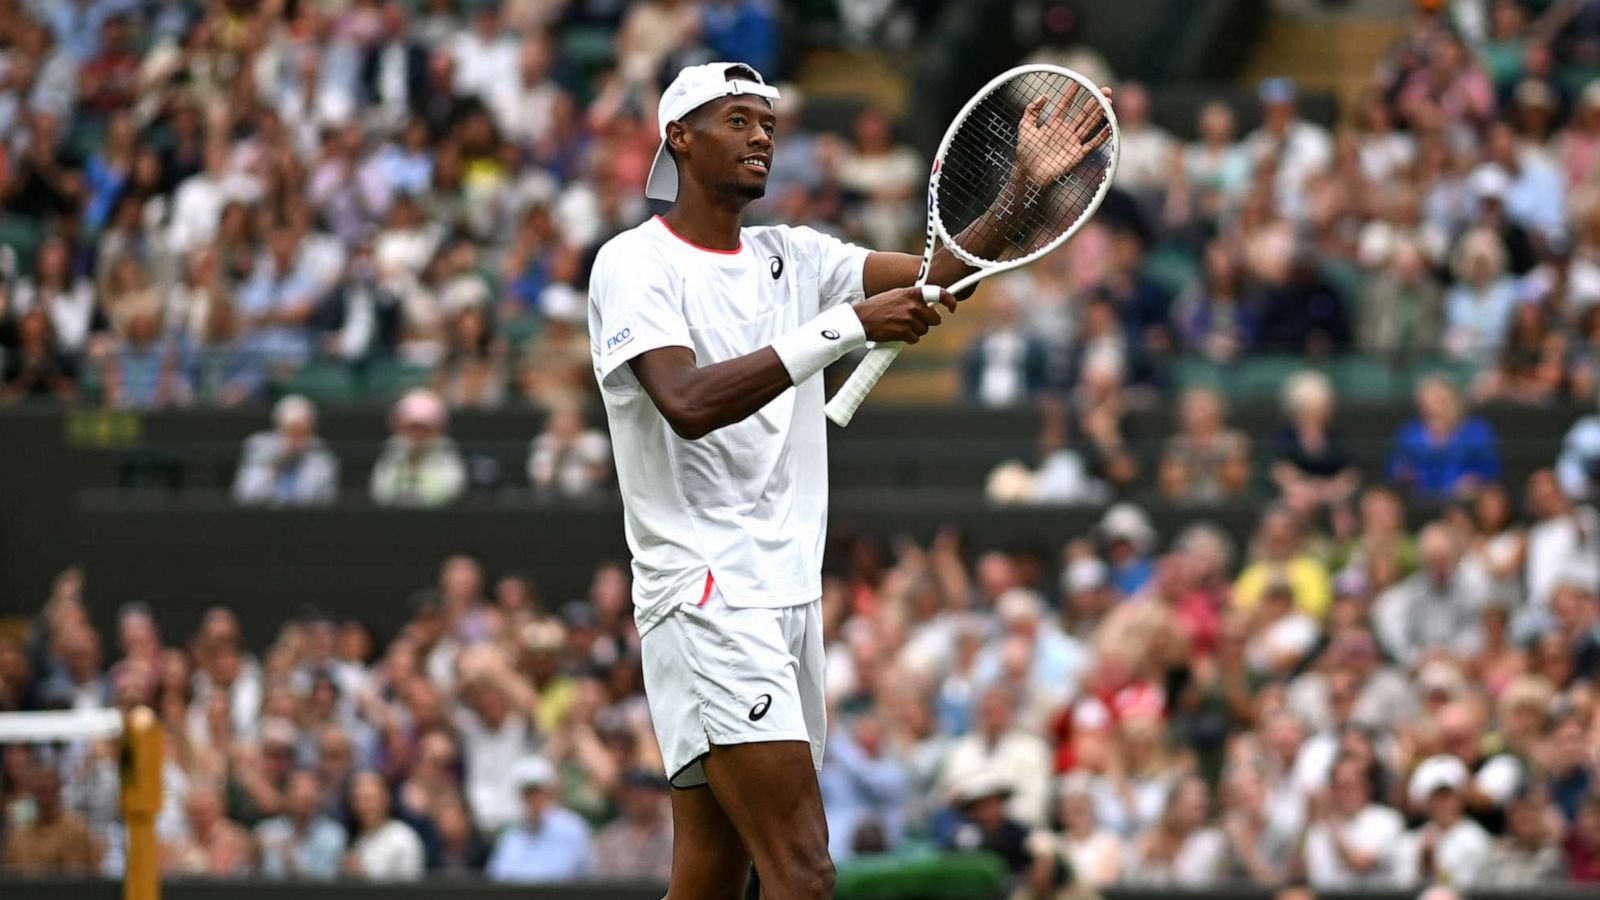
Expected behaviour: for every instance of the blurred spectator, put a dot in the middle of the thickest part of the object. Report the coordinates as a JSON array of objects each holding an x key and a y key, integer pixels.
[
  {"x": 383, "y": 848},
  {"x": 57, "y": 841},
  {"x": 1063, "y": 476},
  {"x": 1442, "y": 452},
  {"x": 1532, "y": 364},
  {"x": 1142, "y": 304},
  {"x": 996, "y": 746},
  {"x": 1129, "y": 541},
  {"x": 1449, "y": 846},
  {"x": 1402, "y": 313},
  {"x": 651, "y": 31},
  {"x": 420, "y": 465},
  {"x": 551, "y": 843},
  {"x": 1437, "y": 608},
  {"x": 290, "y": 465},
  {"x": 1059, "y": 27},
  {"x": 746, "y": 30},
  {"x": 213, "y": 846},
  {"x": 37, "y": 367},
  {"x": 76, "y": 679},
  {"x": 1279, "y": 557},
  {"x": 1528, "y": 855},
  {"x": 1147, "y": 149},
  {"x": 1562, "y": 539},
  {"x": 485, "y": 54},
  {"x": 1497, "y": 544},
  {"x": 301, "y": 843},
  {"x": 979, "y": 821},
  {"x": 457, "y": 849},
  {"x": 1311, "y": 466},
  {"x": 144, "y": 370},
  {"x": 1006, "y": 364},
  {"x": 638, "y": 845},
  {"x": 1280, "y": 636},
  {"x": 1093, "y": 853},
  {"x": 865, "y": 788},
  {"x": 1582, "y": 846},
  {"x": 1209, "y": 316},
  {"x": 1478, "y": 306},
  {"x": 885, "y": 175},
  {"x": 1180, "y": 849},
  {"x": 567, "y": 459},
  {"x": 473, "y": 371},
  {"x": 1215, "y": 167},
  {"x": 1287, "y": 145},
  {"x": 1450, "y": 83},
  {"x": 276, "y": 303},
  {"x": 1131, "y": 792},
  {"x": 1535, "y": 194},
  {"x": 1351, "y": 841},
  {"x": 1578, "y": 468},
  {"x": 77, "y": 323},
  {"x": 1205, "y": 462},
  {"x": 361, "y": 317},
  {"x": 1260, "y": 841}
]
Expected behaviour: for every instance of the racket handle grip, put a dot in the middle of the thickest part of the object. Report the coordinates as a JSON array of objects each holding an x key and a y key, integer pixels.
[{"x": 842, "y": 408}]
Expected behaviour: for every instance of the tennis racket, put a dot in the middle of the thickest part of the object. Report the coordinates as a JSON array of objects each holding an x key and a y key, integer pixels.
[{"x": 1024, "y": 165}]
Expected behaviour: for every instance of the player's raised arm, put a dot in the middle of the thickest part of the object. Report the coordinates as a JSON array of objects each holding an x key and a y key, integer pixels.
[
  {"x": 698, "y": 400},
  {"x": 1048, "y": 146}
]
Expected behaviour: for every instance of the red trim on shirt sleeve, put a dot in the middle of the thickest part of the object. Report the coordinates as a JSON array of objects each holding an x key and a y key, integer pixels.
[{"x": 707, "y": 595}]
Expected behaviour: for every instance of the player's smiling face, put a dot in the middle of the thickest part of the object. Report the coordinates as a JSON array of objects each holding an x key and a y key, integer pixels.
[{"x": 727, "y": 146}]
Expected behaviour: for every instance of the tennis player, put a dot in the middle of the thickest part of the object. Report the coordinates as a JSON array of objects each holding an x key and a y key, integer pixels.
[{"x": 707, "y": 339}]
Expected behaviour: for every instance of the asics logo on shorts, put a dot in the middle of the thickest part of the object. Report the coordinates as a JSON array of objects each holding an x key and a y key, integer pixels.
[{"x": 763, "y": 703}]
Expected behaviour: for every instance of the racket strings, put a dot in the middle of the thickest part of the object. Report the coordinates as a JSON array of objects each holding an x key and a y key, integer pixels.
[{"x": 979, "y": 204}]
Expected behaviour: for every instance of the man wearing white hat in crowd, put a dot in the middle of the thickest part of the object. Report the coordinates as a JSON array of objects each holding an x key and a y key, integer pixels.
[
  {"x": 707, "y": 338},
  {"x": 1449, "y": 846},
  {"x": 289, "y": 465},
  {"x": 551, "y": 843},
  {"x": 420, "y": 465}
]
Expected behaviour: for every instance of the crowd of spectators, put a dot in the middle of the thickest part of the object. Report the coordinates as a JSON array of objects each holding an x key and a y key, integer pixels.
[
  {"x": 1365, "y": 706},
  {"x": 202, "y": 202},
  {"x": 1450, "y": 212},
  {"x": 209, "y": 197}
]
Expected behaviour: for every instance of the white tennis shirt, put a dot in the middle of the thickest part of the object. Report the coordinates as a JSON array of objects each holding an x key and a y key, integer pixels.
[{"x": 747, "y": 504}]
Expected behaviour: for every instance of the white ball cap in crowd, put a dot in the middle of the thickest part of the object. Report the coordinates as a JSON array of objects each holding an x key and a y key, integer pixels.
[
  {"x": 1489, "y": 182},
  {"x": 694, "y": 87},
  {"x": 1128, "y": 523},
  {"x": 1019, "y": 605},
  {"x": 533, "y": 772},
  {"x": 1434, "y": 773}
]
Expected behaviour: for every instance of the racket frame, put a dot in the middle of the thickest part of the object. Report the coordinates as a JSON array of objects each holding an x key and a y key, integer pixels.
[{"x": 842, "y": 408}]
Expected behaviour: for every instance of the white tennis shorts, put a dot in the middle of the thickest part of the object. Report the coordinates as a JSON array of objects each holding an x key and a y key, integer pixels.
[{"x": 718, "y": 674}]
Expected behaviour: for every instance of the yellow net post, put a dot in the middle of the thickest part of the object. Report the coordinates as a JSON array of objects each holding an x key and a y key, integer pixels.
[{"x": 141, "y": 800}]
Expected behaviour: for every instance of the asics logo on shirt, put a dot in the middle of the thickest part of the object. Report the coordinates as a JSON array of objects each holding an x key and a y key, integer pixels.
[
  {"x": 763, "y": 703},
  {"x": 775, "y": 266}
]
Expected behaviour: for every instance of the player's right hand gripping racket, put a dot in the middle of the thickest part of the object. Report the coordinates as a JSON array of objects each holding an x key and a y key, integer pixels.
[{"x": 1024, "y": 165}]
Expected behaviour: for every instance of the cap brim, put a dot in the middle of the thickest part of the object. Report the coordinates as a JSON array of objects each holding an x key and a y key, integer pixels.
[{"x": 663, "y": 181}]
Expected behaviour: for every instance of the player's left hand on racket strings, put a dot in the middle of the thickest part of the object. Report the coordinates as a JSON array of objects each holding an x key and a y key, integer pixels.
[
  {"x": 902, "y": 315},
  {"x": 1052, "y": 144}
]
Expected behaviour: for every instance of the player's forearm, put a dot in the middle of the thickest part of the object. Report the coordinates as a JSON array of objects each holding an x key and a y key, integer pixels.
[
  {"x": 697, "y": 401},
  {"x": 989, "y": 234},
  {"x": 886, "y": 271}
]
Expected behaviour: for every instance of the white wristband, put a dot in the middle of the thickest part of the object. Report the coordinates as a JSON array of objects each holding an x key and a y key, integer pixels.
[{"x": 813, "y": 346}]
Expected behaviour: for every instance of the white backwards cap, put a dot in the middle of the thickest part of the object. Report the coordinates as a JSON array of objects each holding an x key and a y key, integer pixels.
[{"x": 694, "y": 87}]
